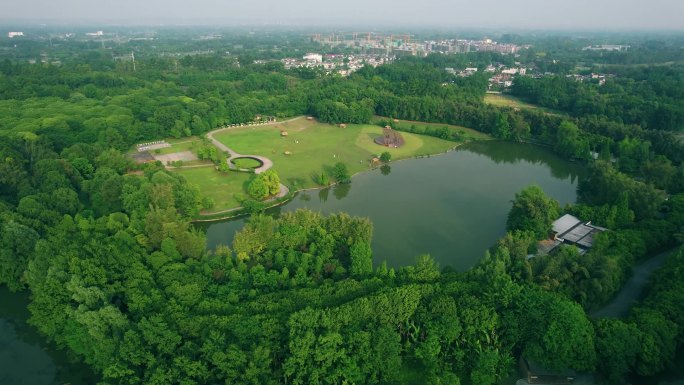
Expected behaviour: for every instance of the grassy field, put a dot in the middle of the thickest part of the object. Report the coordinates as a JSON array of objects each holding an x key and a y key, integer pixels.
[
  {"x": 178, "y": 145},
  {"x": 311, "y": 148},
  {"x": 466, "y": 133},
  {"x": 501, "y": 100},
  {"x": 220, "y": 187}
]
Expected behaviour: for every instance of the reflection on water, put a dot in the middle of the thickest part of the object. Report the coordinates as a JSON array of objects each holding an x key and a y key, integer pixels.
[
  {"x": 22, "y": 362},
  {"x": 340, "y": 191},
  {"x": 323, "y": 195},
  {"x": 502, "y": 152},
  {"x": 25, "y": 357}
]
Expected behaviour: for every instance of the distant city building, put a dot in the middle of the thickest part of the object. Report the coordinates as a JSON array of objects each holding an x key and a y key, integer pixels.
[
  {"x": 313, "y": 57},
  {"x": 341, "y": 64},
  {"x": 14, "y": 34},
  {"x": 98, "y": 33},
  {"x": 402, "y": 45},
  {"x": 606, "y": 47}
]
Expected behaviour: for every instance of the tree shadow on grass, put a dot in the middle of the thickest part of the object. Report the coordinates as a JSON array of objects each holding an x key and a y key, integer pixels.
[{"x": 245, "y": 184}]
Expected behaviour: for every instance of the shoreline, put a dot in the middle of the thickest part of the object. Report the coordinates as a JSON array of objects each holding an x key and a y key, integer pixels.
[{"x": 292, "y": 193}]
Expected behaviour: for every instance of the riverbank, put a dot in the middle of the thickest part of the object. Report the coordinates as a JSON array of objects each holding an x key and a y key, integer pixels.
[
  {"x": 300, "y": 149},
  {"x": 239, "y": 211}
]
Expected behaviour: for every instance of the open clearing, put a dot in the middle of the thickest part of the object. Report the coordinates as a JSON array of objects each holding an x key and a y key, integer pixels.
[
  {"x": 185, "y": 156},
  {"x": 311, "y": 147},
  {"x": 301, "y": 149},
  {"x": 501, "y": 100},
  {"x": 420, "y": 127},
  {"x": 218, "y": 186}
]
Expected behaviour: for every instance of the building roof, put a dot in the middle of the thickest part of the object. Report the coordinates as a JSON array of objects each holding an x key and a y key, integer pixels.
[
  {"x": 577, "y": 233},
  {"x": 564, "y": 223},
  {"x": 570, "y": 229}
]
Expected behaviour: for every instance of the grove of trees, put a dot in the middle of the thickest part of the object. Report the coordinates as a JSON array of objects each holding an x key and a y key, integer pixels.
[{"x": 121, "y": 279}]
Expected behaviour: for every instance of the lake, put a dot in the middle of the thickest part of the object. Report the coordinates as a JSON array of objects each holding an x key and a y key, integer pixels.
[
  {"x": 25, "y": 357},
  {"x": 452, "y": 206}
]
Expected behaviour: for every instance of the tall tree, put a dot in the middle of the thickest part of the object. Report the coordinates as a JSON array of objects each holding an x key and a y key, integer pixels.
[{"x": 533, "y": 211}]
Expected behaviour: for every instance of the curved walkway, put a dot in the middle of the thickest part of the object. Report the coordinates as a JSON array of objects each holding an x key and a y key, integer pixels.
[{"x": 265, "y": 162}]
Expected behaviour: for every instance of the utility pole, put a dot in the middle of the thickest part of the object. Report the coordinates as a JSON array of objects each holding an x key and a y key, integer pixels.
[{"x": 133, "y": 57}]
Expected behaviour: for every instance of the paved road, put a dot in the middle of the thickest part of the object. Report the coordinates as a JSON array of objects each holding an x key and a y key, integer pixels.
[
  {"x": 633, "y": 289},
  {"x": 265, "y": 162}
]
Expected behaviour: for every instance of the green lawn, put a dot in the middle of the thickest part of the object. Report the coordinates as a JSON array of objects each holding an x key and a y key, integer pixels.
[
  {"x": 418, "y": 127},
  {"x": 179, "y": 145},
  {"x": 501, "y": 100},
  {"x": 218, "y": 186},
  {"x": 308, "y": 149},
  {"x": 314, "y": 147}
]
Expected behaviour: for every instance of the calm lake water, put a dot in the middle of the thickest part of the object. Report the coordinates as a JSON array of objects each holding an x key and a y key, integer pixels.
[
  {"x": 25, "y": 357},
  {"x": 452, "y": 206}
]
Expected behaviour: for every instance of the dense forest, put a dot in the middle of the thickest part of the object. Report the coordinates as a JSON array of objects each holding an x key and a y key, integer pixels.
[{"x": 121, "y": 279}]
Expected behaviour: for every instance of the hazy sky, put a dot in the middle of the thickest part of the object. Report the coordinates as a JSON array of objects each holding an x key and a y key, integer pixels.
[{"x": 569, "y": 14}]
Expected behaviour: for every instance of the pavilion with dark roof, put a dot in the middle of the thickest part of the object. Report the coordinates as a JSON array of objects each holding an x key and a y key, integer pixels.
[{"x": 570, "y": 230}]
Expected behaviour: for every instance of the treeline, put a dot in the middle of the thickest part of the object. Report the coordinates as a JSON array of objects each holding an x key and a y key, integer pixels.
[
  {"x": 644, "y": 343},
  {"x": 120, "y": 107},
  {"x": 295, "y": 301},
  {"x": 120, "y": 278},
  {"x": 72, "y": 104},
  {"x": 652, "y": 98}
]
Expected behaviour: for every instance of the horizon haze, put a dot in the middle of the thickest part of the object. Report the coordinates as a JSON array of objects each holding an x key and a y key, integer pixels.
[{"x": 521, "y": 14}]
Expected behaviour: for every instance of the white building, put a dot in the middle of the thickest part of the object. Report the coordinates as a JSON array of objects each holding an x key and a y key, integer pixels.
[
  {"x": 14, "y": 34},
  {"x": 98, "y": 33},
  {"x": 314, "y": 57}
]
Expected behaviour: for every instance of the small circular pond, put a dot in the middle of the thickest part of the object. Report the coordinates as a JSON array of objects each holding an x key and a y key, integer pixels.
[{"x": 246, "y": 162}]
